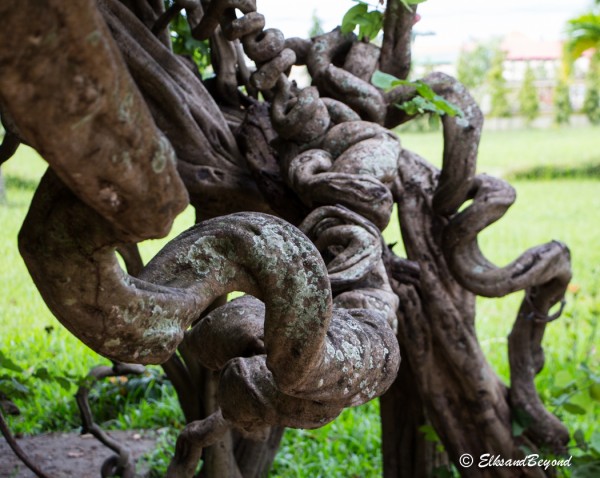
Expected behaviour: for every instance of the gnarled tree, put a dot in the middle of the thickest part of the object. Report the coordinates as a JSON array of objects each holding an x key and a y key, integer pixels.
[{"x": 131, "y": 133}]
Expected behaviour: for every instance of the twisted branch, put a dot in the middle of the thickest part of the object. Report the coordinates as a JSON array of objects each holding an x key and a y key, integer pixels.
[
  {"x": 116, "y": 465},
  {"x": 208, "y": 157},
  {"x": 15, "y": 447},
  {"x": 397, "y": 39},
  {"x": 128, "y": 174}
]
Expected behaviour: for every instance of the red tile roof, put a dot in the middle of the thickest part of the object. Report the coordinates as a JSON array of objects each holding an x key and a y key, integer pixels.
[{"x": 519, "y": 46}]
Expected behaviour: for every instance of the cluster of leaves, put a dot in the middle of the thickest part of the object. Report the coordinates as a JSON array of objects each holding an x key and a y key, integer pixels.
[
  {"x": 441, "y": 471},
  {"x": 591, "y": 103},
  {"x": 16, "y": 382},
  {"x": 552, "y": 171},
  {"x": 562, "y": 103},
  {"x": 157, "y": 460},
  {"x": 578, "y": 394},
  {"x": 369, "y": 22},
  {"x": 424, "y": 101},
  {"x": 184, "y": 44},
  {"x": 529, "y": 103},
  {"x": 500, "y": 107},
  {"x": 583, "y": 33},
  {"x": 474, "y": 64}
]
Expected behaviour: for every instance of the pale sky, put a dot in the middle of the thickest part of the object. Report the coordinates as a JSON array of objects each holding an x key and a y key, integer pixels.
[{"x": 453, "y": 21}]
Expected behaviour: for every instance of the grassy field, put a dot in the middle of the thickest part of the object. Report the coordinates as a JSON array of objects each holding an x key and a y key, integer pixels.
[{"x": 566, "y": 210}]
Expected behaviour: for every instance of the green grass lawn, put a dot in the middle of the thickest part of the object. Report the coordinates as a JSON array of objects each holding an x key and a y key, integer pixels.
[{"x": 566, "y": 210}]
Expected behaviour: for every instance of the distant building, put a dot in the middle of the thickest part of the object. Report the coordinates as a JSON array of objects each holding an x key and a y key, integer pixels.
[{"x": 544, "y": 56}]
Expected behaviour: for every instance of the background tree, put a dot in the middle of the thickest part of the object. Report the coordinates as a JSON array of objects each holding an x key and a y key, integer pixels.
[
  {"x": 583, "y": 33},
  {"x": 591, "y": 102},
  {"x": 329, "y": 305},
  {"x": 316, "y": 27},
  {"x": 529, "y": 104},
  {"x": 562, "y": 103},
  {"x": 474, "y": 64},
  {"x": 499, "y": 104}
]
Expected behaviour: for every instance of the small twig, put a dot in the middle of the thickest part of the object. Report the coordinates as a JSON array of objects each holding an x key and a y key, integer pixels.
[
  {"x": 132, "y": 258},
  {"x": 540, "y": 317},
  {"x": 114, "y": 464},
  {"x": 17, "y": 449},
  {"x": 163, "y": 21},
  {"x": 171, "y": 12},
  {"x": 192, "y": 440}
]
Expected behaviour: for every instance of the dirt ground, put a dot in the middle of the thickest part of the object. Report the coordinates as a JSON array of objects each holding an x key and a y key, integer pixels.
[{"x": 63, "y": 455}]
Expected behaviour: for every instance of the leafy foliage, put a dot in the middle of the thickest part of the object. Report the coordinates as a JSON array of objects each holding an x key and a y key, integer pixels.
[
  {"x": 591, "y": 102},
  {"x": 529, "y": 104},
  {"x": 583, "y": 33},
  {"x": 369, "y": 22},
  {"x": 579, "y": 394},
  {"x": 316, "y": 28},
  {"x": 562, "y": 103},
  {"x": 425, "y": 100},
  {"x": 184, "y": 44},
  {"x": 552, "y": 171},
  {"x": 408, "y": 3},
  {"x": 16, "y": 382},
  {"x": 500, "y": 106},
  {"x": 473, "y": 65}
]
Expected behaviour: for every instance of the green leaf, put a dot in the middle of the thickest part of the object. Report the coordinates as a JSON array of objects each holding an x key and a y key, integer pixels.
[
  {"x": 424, "y": 90},
  {"x": 595, "y": 391},
  {"x": 350, "y": 19},
  {"x": 408, "y": 3},
  {"x": 12, "y": 388},
  {"x": 574, "y": 408},
  {"x": 64, "y": 383},
  {"x": 563, "y": 379},
  {"x": 370, "y": 24},
  {"x": 386, "y": 82},
  {"x": 42, "y": 374},
  {"x": 427, "y": 101},
  {"x": 580, "y": 439},
  {"x": 520, "y": 421},
  {"x": 587, "y": 470},
  {"x": 595, "y": 441},
  {"x": 430, "y": 433},
  {"x": 8, "y": 364},
  {"x": 594, "y": 377}
]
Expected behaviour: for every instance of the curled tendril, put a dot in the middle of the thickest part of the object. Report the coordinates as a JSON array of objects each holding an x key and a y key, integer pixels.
[
  {"x": 265, "y": 47},
  {"x": 303, "y": 117},
  {"x": 359, "y": 356},
  {"x": 352, "y": 248},
  {"x": 341, "y": 84},
  {"x": 539, "y": 265},
  {"x": 353, "y": 164}
]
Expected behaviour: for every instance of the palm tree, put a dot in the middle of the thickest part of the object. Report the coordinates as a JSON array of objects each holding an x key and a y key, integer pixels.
[{"x": 583, "y": 33}]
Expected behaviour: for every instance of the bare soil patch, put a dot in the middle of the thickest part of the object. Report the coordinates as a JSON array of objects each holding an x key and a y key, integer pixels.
[{"x": 63, "y": 455}]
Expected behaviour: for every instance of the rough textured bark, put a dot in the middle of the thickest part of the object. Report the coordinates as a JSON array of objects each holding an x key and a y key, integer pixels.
[
  {"x": 126, "y": 173},
  {"x": 397, "y": 38}
]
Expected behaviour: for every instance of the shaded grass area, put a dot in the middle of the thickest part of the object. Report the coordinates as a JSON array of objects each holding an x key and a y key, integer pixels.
[
  {"x": 583, "y": 171},
  {"x": 566, "y": 210}
]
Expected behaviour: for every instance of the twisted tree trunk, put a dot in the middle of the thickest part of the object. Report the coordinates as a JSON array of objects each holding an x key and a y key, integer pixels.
[{"x": 127, "y": 128}]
